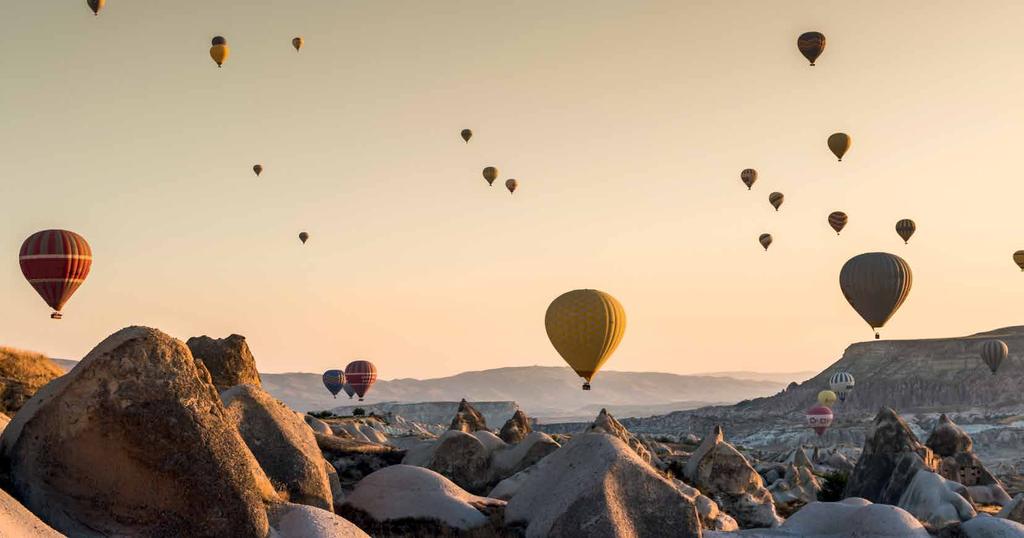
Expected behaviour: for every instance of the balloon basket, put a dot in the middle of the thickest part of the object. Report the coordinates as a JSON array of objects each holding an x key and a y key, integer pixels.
[
  {"x": 56, "y": 315},
  {"x": 586, "y": 386}
]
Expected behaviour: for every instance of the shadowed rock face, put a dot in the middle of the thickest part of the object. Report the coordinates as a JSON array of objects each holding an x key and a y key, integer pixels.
[
  {"x": 606, "y": 423},
  {"x": 517, "y": 428},
  {"x": 947, "y": 439},
  {"x": 228, "y": 360},
  {"x": 21, "y": 374},
  {"x": 892, "y": 455},
  {"x": 468, "y": 419},
  {"x": 137, "y": 399}
]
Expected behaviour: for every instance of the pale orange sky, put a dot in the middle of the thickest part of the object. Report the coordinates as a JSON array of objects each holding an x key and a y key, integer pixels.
[{"x": 626, "y": 123}]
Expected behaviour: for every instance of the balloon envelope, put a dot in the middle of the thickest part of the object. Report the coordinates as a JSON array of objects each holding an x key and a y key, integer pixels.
[
  {"x": 776, "y": 199},
  {"x": 827, "y": 398},
  {"x": 297, "y": 42},
  {"x": 303, "y": 236},
  {"x": 349, "y": 390},
  {"x": 361, "y": 375},
  {"x": 55, "y": 263},
  {"x": 841, "y": 383},
  {"x": 819, "y": 418},
  {"x": 905, "y": 228},
  {"x": 490, "y": 174},
  {"x": 585, "y": 326},
  {"x": 876, "y": 284},
  {"x": 811, "y": 45},
  {"x": 466, "y": 135},
  {"x": 765, "y": 240},
  {"x": 96, "y": 5},
  {"x": 334, "y": 380},
  {"x": 993, "y": 352},
  {"x": 839, "y": 144},
  {"x": 837, "y": 220},
  {"x": 1018, "y": 258},
  {"x": 257, "y": 169},
  {"x": 748, "y": 177},
  {"x": 511, "y": 185},
  {"x": 220, "y": 51}
]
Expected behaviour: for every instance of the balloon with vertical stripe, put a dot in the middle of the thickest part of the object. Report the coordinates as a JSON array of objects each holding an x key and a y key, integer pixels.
[
  {"x": 837, "y": 220},
  {"x": 841, "y": 383},
  {"x": 876, "y": 284},
  {"x": 993, "y": 352},
  {"x": 334, "y": 380},
  {"x": 585, "y": 326},
  {"x": 776, "y": 199},
  {"x": 905, "y": 228},
  {"x": 361, "y": 375},
  {"x": 55, "y": 263}
]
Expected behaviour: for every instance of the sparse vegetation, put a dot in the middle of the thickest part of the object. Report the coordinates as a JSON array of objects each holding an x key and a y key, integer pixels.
[
  {"x": 833, "y": 486},
  {"x": 359, "y": 412},
  {"x": 321, "y": 414}
]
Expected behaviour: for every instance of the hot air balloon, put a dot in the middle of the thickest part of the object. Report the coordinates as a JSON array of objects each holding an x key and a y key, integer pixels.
[
  {"x": 748, "y": 177},
  {"x": 905, "y": 228},
  {"x": 297, "y": 42},
  {"x": 827, "y": 398},
  {"x": 55, "y": 263},
  {"x": 511, "y": 185},
  {"x": 361, "y": 375},
  {"x": 765, "y": 240},
  {"x": 220, "y": 51},
  {"x": 876, "y": 284},
  {"x": 837, "y": 220},
  {"x": 585, "y": 327},
  {"x": 811, "y": 45},
  {"x": 841, "y": 383},
  {"x": 349, "y": 390},
  {"x": 819, "y": 418},
  {"x": 993, "y": 352},
  {"x": 776, "y": 199},
  {"x": 96, "y": 5},
  {"x": 466, "y": 135},
  {"x": 334, "y": 380},
  {"x": 303, "y": 236},
  {"x": 1018, "y": 258},
  {"x": 839, "y": 143},
  {"x": 257, "y": 169},
  {"x": 490, "y": 174}
]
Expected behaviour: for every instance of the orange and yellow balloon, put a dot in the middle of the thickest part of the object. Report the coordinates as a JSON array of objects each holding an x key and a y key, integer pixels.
[{"x": 585, "y": 327}]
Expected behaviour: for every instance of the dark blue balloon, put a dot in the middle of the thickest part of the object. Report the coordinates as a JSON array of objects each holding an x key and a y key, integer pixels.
[{"x": 334, "y": 380}]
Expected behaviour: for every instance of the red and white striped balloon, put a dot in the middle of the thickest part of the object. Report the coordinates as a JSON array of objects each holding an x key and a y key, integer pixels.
[
  {"x": 55, "y": 263},
  {"x": 819, "y": 418},
  {"x": 360, "y": 375}
]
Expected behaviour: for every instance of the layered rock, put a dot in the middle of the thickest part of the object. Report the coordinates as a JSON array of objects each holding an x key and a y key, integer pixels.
[
  {"x": 516, "y": 428},
  {"x": 597, "y": 486},
  {"x": 892, "y": 455},
  {"x": 797, "y": 488},
  {"x": 960, "y": 464},
  {"x": 283, "y": 445},
  {"x": 934, "y": 501},
  {"x": 137, "y": 399},
  {"x": 718, "y": 470},
  {"x": 468, "y": 419},
  {"x": 228, "y": 360},
  {"x": 22, "y": 373}
]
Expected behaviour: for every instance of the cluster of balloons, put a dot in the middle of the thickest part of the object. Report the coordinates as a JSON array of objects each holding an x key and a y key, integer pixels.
[
  {"x": 820, "y": 417},
  {"x": 355, "y": 380},
  {"x": 490, "y": 173}
]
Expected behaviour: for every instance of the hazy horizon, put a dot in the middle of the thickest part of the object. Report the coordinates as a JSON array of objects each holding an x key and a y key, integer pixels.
[{"x": 627, "y": 127}]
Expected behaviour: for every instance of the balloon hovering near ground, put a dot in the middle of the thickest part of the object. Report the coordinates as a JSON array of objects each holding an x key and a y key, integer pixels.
[
  {"x": 220, "y": 51},
  {"x": 819, "y": 418},
  {"x": 1018, "y": 258},
  {"x": 765, "y": 240},
  {"x": 842, "y": 384},
  {"x": 334, "y": 380},
  {"x": 811, "y": 45},
  {"x": 993, "y": 352},
  {"x": 905, "y": 228},
  {"x": 876, "y": 284},
  {"x": 466, "y": 135},
  {"x": 837, "y": 220},
  {"x": 748, "y": 177},
  {"x": 257, "y": 169},
  {"x": 96, "y": 5},
  {"x": 55, "y": 263},
  {"x": 511, "y": 185},
  {"x": 827, "y": 398},
  {"x": 349, "y": 390},
  {"x": 361, "y": 375},
  {"x": 490, "y": 174},
  {"x": 776, "y": 199},
  {"x": 839, "y": 144},
  {"x": 298, "y": 42},
  {"x": 303, "y": 236},
  {"x": 585, "y": 327}
]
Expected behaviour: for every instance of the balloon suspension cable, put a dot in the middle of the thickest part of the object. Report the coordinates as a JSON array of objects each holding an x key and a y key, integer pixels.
[{"x": 586, "y": 386}]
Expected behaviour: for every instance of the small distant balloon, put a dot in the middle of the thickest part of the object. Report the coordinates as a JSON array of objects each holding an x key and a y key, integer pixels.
[
  {"x": 841, "y": 383},
  {"x": 303, "y": 236},
  {"x": 466, "y": 135},
  {"x": 748, "y": 177},
  {"x": 906, "y": 228},
  {"x": 361, "y": 375},
  {"x": 297, "y": 42},
  {"x": 511, "y": 185},
  {"x": 257, "y": 169},
  {"x": 765, "y": 240},
  {"x": 993, "y": 352},
  {"x": 811, "y": 45},
  {"x": 837, "y": 220},
  {"x": 334, "y": 380},
  {"x": 349, "y": 390},
  {"x": 839, "y": 144},
  {"x": 776, "y": 199},
  {"x": 827, "y": 398},
  {"x": 1018, "y": 258},
  {"x": 490, "y": 174},
  {"x": 220, "y": 51},
  {"x": 819, "y": 418},
  {"x": 96, "y": 5}
]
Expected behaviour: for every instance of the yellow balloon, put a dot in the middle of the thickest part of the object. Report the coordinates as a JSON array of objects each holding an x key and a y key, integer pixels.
[
  {"x": 220, "y": 51},
  {"x": 585, "y": 327},
  {"x": 827, "y": 398}
]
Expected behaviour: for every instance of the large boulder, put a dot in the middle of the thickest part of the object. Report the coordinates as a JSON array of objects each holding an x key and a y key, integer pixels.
[
  {"x": 596, "y": 486},
  {"x": 404, "y": 495},
  {"x": 984, "y": 526},
  {"x": 511, "y": 459},
  {"x": 720, "y": 471},
  {"x": 892, "y": 456},
  {"x": 516, "y": 428},
  {"x": 933, "y": 501},
  {"x": 606, "y": 423},
  {"x": 960, "y": 464},
  {"x": 948, "y": 439},
  {"x": 849, "y": 518},
  {"x": 132, "y": 442},
  {"x": 799, "y": 487},
  {"x": 711, "y": 517},
  {"x": 467, "y": 419},
  {"x": 18, "y": 522},
  {"x": 282, "y": 443},
  {"x": 303, "y": 521},
  {"x": 228, "y": 359},
  {"x": 317, "y": 425},
  {"x": 22, "y": 373},
  {"x": 461, "y": 457}
]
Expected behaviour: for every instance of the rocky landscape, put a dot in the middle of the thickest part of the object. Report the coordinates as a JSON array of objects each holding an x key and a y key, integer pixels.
[{"x": 150, "y": 436}]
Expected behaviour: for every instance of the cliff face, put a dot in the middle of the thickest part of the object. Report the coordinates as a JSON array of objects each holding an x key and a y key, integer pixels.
[{"x": 436, "y": 412}]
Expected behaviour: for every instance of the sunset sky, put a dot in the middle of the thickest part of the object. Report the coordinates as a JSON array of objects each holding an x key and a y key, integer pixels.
[{"x": 626, "y": 124}]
